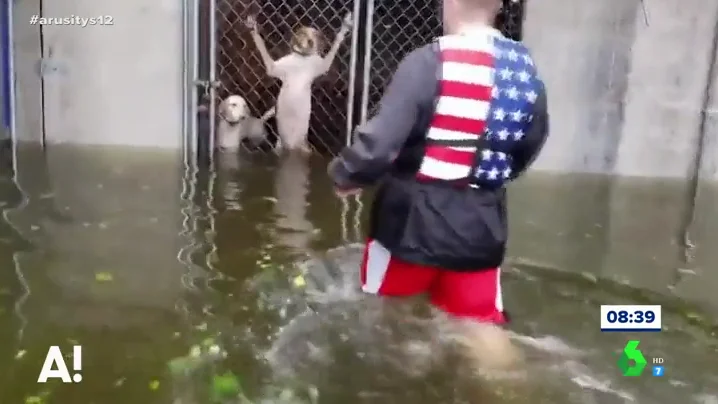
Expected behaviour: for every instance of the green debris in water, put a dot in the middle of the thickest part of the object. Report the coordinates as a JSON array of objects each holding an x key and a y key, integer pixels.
[
  {"x": 38, "y": 399},
  {"x": 182, "y": 365},
  {"x": 225, "y": 386},
  {"x": 104, "y": 277},
  {"x": 154, "y": 385},
  {"x": 299, "y": 281},
  {"x": 205, "y": 352},
  {"x": 208, "y": 342}
]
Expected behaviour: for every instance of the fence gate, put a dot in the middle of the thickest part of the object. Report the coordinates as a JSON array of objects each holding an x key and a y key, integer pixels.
[{"x": 384, "y": 31}]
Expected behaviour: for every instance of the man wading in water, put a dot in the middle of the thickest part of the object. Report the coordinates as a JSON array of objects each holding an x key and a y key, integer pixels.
[{"x": 461, "y": 118}]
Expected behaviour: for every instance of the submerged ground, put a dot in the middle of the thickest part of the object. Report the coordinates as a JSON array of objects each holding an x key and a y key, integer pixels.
[{"x": 137, "y": 259}]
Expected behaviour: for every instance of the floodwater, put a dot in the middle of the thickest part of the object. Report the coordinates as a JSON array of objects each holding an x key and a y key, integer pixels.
[{"x": 141, "y": 260}]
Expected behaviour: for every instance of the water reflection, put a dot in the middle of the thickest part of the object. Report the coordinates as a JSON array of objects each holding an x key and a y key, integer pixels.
[
  {"x": 291, "y": 187},
  {"x": 102, "y": 271}
]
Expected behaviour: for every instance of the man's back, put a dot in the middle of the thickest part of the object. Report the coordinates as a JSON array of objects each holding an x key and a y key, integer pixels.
[{"x": 477, "y": 118}]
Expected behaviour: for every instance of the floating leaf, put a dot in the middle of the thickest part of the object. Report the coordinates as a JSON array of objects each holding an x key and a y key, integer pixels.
[
  {"x": 693, "y": 316},
  {"x": 299, "y": 281},
  {"x": 181, "y": 365},
  {"x": 208, "y": 342},
  {"x": 154, "y": 385},
  {"x": 225, "y": 386},
  {"x": 38, "y": 399},
  {"x": 103, "y": 277}
]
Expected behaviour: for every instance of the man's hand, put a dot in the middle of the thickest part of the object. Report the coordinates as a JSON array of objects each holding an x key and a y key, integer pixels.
[{"x": 343, "y": 193}]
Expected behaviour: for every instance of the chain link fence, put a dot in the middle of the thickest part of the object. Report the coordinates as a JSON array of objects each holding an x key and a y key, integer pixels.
[
  {"x": 399, "y": 26},
  {"x": 240, "y": 69},
  {"x": 393, "y": 29}
]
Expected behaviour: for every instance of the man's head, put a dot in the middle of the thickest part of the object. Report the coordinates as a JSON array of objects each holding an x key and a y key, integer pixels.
[{"x": 461, "y": 13}]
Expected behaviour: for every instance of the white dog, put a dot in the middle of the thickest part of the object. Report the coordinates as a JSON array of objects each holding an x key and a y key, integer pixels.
[
  {"x": 297, "y": 71},
  {"x": 236, "y": 124}
]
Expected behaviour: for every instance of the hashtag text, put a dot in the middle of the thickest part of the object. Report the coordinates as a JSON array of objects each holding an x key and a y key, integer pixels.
[{"x": 73, "y": 20}]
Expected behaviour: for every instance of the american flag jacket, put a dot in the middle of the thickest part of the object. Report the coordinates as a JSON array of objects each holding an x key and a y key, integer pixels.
[{"x": 461, "y": 118}]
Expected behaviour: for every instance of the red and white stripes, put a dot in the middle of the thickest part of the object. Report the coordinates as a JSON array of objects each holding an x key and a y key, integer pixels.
[{"x": 465, "y": 93}]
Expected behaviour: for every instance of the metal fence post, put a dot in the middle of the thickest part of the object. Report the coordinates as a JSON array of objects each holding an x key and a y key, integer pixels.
[
  {"x": 366, "y": 71},
  {"x": 212, "y": 74},
  {"x": 190, "y": 58},
  {"x": 8, "y": 59},
  {"x": 352, "y": 73}
]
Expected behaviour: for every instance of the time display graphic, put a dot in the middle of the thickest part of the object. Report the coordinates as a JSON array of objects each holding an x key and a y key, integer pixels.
[{"x": 627, "y": 318}]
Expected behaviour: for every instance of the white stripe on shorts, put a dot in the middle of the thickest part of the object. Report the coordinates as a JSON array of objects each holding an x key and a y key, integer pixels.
[
  {"x": 377, "y": 264},
  {"x": 499, "y": 302}
]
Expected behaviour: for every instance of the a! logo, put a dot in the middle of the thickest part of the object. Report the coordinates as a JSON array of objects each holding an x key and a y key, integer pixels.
[{"x": 631, "y": 353}]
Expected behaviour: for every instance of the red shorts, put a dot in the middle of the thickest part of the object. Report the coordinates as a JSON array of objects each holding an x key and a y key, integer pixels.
[{"x": 475, "y": 294}]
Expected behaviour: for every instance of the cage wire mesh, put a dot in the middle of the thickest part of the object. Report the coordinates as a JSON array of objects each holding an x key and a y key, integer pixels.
[
  {"x": 399, "y": 26},
  {"x": 240, "y": 69}
]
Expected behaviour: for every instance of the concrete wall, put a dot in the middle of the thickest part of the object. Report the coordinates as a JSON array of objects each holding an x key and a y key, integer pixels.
[
  {"x": 28, "y": 88},
  {"x": 112, "y": 85},
  {"x": 626, "y": 97}
]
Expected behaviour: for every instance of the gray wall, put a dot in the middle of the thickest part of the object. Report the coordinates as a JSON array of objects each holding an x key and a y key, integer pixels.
[
  {"x": 112, "y": 85},
  {"x": 626, "y": 97},
  {"x": 28, "y": 111}
]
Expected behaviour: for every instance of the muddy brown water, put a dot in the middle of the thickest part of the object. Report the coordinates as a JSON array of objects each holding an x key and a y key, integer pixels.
[{"x": 138, "y": 258}]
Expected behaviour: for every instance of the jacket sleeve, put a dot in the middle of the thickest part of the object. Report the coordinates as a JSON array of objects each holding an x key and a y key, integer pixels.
[
  {"x": 530, "y": 146},
  {"x": 378, "y": 142}
]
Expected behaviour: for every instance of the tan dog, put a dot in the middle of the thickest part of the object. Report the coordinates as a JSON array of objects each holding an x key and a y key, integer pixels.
[
  {"x": 236, "y": 124},
  {"x": 297, "y": 71}
]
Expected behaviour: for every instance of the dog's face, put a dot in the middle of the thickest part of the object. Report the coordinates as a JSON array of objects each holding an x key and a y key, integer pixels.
[
  {"x": 307, "y": 41},
  {"x": 234, "y": 109}
]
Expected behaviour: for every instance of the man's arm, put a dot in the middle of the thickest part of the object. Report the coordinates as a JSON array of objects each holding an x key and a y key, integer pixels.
[
  {"x": 530, "y": 146},
  {"x": 378, "y": 142}
]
